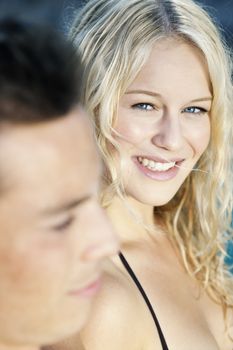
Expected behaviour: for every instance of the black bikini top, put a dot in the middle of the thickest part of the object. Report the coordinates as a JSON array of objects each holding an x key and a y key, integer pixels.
[{"x": 139, "y": 286}]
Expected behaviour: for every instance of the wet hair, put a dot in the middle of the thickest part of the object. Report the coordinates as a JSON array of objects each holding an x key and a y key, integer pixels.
[
  {"x": 40, "y": 73},
  {"x": 115, "y": 39}
]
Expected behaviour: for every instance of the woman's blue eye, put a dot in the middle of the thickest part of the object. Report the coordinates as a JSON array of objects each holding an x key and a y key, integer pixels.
[
  {"x": 144, "y": 106},
  {"x": 194, "y": 110}
]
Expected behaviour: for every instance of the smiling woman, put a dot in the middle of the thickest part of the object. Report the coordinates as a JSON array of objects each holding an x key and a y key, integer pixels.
[
  {"x": 158, "y": 88},
  {"x": 165, "y": 128}
]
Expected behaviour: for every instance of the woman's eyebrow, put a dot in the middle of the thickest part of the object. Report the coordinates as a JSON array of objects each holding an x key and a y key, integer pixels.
[
  {"x": 208, "y": 98},
  {"x": 143, "y": 92},
  {"x": 155, "y": 94}
]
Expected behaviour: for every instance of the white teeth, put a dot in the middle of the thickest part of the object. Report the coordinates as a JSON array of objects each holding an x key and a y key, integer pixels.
[
  {"x": 145, "y": 162},
  {"x": 151, "y": 164},
  {"x": 156, "y": 166}
]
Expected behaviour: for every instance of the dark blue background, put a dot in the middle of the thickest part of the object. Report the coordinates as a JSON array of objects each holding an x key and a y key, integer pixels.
[{"x": 58, "y": 12}]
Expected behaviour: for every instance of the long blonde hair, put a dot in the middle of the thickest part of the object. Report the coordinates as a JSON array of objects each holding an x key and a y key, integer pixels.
[{"x": 115, "y": 39}]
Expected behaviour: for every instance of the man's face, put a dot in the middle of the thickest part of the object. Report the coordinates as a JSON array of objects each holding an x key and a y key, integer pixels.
[{"x": 53, "y": 234}]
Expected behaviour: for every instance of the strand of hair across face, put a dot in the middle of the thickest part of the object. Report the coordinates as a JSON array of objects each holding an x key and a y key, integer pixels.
[{"x": 193, "y": 169}]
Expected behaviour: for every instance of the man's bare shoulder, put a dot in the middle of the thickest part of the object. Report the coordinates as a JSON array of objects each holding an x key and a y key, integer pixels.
[{"x": 72, "y": 343}]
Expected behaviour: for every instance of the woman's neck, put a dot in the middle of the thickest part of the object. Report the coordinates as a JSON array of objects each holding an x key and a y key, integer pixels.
[{"x": 132, "y": 219}]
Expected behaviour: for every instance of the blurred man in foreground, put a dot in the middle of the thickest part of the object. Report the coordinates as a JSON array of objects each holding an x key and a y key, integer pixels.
[{"x": 53, "y": 233}]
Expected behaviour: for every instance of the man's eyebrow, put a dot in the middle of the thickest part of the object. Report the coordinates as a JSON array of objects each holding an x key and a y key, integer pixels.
[
  {"x": 155, "y": 94},
  {"x": 66, "y": 206}
]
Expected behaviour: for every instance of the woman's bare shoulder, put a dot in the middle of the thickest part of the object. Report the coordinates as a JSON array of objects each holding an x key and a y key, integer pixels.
[
  {"x": 221, "y": 326},
  {"x": 227, "y": 340},
  {"x": 114, "y": 320},
  {"x": 114, "y": 316},
  {"x": 230, "y": 330}
]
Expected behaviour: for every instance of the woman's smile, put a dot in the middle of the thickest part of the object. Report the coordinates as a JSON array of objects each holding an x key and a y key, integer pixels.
[{"x": 159, "y": 169}]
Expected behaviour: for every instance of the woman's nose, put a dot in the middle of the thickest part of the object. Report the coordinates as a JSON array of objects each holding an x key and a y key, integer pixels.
[{"x": 169, "y": 133}]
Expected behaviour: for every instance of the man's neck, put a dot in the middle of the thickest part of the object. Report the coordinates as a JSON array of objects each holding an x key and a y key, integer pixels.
[{"x": 17, "y": 347}]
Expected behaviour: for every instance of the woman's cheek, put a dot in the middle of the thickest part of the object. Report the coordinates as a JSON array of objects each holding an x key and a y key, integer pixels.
[
  {"x": 129, "y": 131},
  {"x": 202, "y": 138}
]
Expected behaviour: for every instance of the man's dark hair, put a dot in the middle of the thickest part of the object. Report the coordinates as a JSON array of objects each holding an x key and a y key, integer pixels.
[{"x": 40, "y": 73}]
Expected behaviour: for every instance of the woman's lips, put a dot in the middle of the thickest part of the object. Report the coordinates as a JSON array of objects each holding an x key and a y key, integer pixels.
[{"x": 159, "y": 175}]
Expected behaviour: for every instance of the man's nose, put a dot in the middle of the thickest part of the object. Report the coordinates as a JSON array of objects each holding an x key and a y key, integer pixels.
[{"x": 103, "y": 241}]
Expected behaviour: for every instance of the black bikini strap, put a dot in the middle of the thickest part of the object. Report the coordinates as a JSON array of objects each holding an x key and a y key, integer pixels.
[{"x": 138, "y": 284}]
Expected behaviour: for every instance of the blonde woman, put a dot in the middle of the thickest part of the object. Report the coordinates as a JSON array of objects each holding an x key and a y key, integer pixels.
[{"x": 158, "y": 88}]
